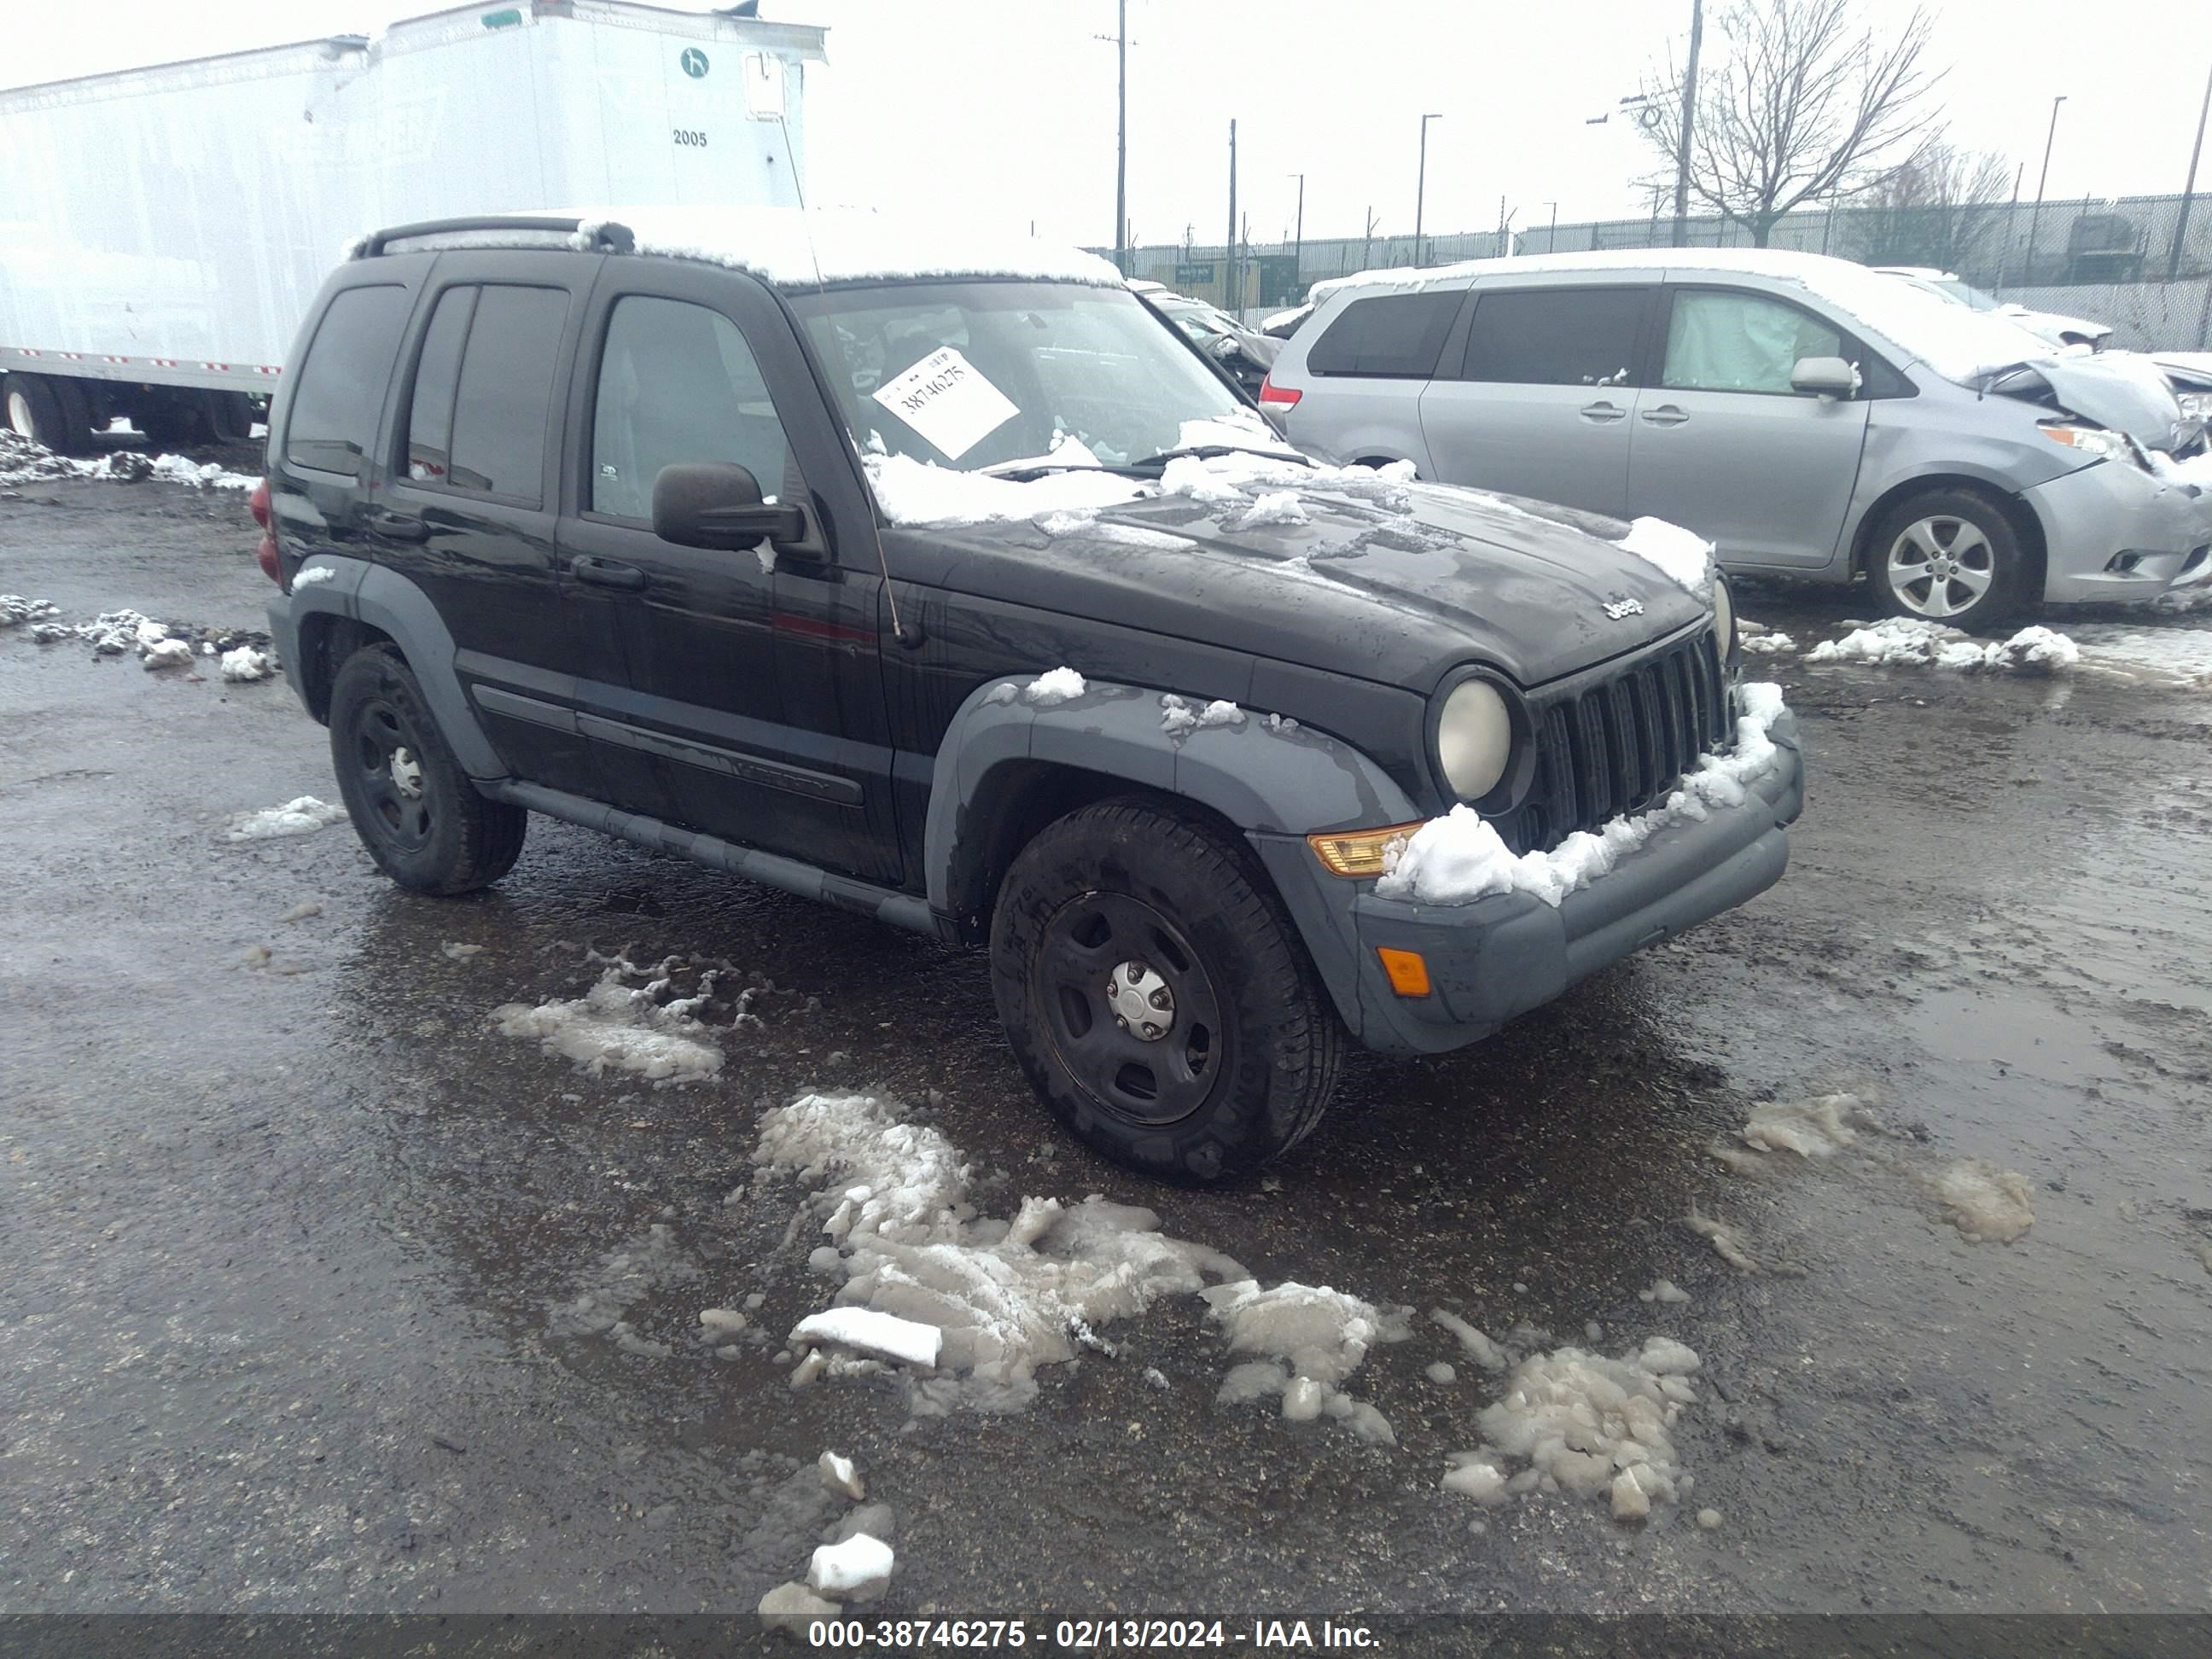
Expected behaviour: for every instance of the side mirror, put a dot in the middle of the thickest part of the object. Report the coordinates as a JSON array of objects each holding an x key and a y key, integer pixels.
[
  {"x": 718, "y": 504},
  {"x": 1830, "y": 377}
]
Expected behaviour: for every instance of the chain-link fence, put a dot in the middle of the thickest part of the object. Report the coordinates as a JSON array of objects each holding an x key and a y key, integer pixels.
[{"x": 2142, "y": 264}]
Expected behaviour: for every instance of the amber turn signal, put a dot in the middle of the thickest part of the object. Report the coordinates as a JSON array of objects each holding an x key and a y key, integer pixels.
[
  {"x": 1360, "y": 851},
  {"x": 1409, "y": 974}
]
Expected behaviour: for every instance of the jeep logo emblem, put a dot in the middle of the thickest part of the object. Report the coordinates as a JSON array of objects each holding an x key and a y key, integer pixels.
[
  {"x": 1617, "y": 609},
  {"x": 694, "y": 63}
]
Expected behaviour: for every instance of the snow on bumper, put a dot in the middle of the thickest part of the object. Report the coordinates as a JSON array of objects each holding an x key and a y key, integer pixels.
[{"x": 1492, "y": 958}]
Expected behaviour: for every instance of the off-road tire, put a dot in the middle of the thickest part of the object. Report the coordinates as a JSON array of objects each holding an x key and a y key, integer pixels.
[
  {"x": 2015, "y": 578},
  {"x": 447, "y": 838},
  {"x": 1275, "y": 1042}
]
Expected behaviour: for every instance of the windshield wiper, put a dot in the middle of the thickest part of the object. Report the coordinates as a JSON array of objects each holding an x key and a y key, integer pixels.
[
  {"x": 1023, "y": 471},
  {"x": 1209, "y": 451}
]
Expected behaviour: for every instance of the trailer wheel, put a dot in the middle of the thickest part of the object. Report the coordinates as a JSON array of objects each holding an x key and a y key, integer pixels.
[
  {"x": 36, "y": 409},
  {"x": 172, "y": 420},
  {"x": 231, "y": 414}
]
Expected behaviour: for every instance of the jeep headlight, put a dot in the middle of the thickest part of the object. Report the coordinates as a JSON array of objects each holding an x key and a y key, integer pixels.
[
  {"x": 1724, "y": 619},
  {"x": 1474, "y": 738}
]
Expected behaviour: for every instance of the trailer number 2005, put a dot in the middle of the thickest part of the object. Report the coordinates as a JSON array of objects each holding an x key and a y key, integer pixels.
[{"x": 689, "y": 138}]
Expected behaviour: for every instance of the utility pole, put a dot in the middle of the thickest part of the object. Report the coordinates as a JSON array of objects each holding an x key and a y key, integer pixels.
[
  {"x": 1121, "y": 149},
  {"x": 2035, "y": 217},
  {"x": 1229, "y": 259},
  {"x": 1689, "y": 121},
  {"x": 1298, "y": 236},
  {"x": 1367, "y": 241},
  {"x": 1421, "y": 186},
  {"x": 1552, "y": 240},
  {"x": 2189, "y": 190}
]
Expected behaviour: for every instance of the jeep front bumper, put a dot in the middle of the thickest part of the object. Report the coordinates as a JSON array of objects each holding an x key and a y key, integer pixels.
[{"x": 1498, "y": 957}]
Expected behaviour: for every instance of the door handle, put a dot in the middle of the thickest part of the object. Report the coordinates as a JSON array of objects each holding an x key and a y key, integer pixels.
[
  {"x": 607, "y": 573},
  {"x": 1665, "y": 414},
  {"x": 1600, "y": 414},
  {"x": 397, "y": 526}
]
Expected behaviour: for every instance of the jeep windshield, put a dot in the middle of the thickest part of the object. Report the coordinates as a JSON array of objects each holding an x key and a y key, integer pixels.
[{"x": 1021, "y": 378}]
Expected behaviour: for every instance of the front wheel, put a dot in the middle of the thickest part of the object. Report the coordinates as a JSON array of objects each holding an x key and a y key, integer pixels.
[
  {"x": 414, "y": 808},
  {"x": 1156, "y": 995},
  {"x": 1950, "y": 556}
]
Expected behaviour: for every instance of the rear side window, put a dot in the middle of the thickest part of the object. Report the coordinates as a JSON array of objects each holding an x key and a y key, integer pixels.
[
  {"x": 1555, "y": 337},
  {"x": 336, "y": 402},
  {"x": 1396, "y": 336},
  {"x": 677, "y": 384},
  {"x": 506, "y": 392},
  {"x": 437, "y": 376}
]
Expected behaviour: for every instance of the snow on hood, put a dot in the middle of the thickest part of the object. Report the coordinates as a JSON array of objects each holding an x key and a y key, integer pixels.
[{"x": 794, "y": 247}]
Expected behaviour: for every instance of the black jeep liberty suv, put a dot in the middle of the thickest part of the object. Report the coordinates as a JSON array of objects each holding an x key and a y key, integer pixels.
[{"x": 947, "y": 582}]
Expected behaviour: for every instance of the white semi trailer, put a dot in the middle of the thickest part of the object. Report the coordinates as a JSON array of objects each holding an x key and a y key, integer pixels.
[{"x": 162, "y": 230}]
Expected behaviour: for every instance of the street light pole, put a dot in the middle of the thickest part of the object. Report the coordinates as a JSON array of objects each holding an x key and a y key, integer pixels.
[
  {"x": 1689, "y": 121},
  {"x": 1552, "y": 240},
  {"x": 1122, "y": 150},
  {"x": 1229, "y": 252},
  {"x": 2035, "y": 215},
  {"x": 2189, "y": 190},
  {"x": 1298, "y": 236},
  {"x": 1421, "y": 185}
]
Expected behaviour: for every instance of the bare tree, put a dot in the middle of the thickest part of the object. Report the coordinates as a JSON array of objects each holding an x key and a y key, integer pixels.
[
  {"x": 1803, "y": 104},
  {"x": 1937, "y": 207}
]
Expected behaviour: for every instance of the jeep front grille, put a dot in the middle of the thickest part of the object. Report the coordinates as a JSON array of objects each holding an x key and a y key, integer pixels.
[{"x": 1617, "y": 741}]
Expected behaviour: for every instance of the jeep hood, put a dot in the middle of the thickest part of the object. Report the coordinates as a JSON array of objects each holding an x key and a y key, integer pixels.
[{"x": 1357, "y": 574}]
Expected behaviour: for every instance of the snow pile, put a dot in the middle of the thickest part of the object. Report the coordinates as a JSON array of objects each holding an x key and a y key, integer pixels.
[
  {"x": 23, "y": 461},
  {"x": 1766, "y": 644},
  {"x": 1584, "y": 1424},
  {"x": 15, "y": 610},
  {"x": 1060, "y": 685},
  {"x": 1681, "y": 555},
  {"x": 297, "y": 816},
  {"x": 1479, "y": 1348},
  {"x": 1664, "y": 1290},
  {"x": 623, "y": 1277},
  {"x": 1460, "y": 857},
  {"x": 1727, "y": 1243},
  {"x": 165, "y": 654},
  {"x": 1989, "y": 1206},
  {"x": 628, "y": 1026},
  {"x": 246, "y": 662},
  {"x": 1176, "y": 716},
  {"x": 857, "y": 1569},
  {"x": 1312, "y": 1338},
  {"x": 1909, "y": 641},
  {"x": 921, "y": 492},
  {"x": 1008, "y": 1296},
  {"x": 2182, "y": 655},
  {"x": 853, "y": 1563},
  {"x": 1273, "y": 506},
  {"x": 1819, "y": 1127},
  {"x": 1221, "y": 712}
]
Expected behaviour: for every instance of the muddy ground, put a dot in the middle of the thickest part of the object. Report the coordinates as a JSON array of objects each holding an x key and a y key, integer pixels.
[{"x": 285, "y": 1215}]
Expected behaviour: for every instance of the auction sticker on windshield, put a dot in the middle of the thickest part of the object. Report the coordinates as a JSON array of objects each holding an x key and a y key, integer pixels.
[{"x": 946, "y": 399}]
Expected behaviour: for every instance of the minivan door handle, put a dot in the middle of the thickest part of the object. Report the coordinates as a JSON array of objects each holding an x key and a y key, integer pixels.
[
  {"x": 397, "y": 526},
  {"x": 607, "y": 573},
  {"x": 1665, "y": 414},
  {"x": 1601, "y": 413}
]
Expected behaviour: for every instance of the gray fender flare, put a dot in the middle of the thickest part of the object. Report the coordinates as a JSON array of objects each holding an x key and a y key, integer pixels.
[
  {"x": 1277, "y": 784},
  {"x": 391, "y": 604}
]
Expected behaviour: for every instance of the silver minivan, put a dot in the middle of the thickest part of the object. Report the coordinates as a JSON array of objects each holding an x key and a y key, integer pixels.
[{"x": 1810, "y": 416}]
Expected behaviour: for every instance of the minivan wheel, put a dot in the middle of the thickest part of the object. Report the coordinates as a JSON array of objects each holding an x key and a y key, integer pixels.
[
  {"x": 1156, "y": 996},
  {"x": 1949, "y": 557},
  {"x": 415, "y": 810}
]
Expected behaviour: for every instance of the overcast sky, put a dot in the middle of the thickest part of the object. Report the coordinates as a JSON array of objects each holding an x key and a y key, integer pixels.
[{"x": 1005, "y": 107}]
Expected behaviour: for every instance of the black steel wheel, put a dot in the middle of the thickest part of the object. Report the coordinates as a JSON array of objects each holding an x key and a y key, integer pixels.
[
  {"x": 418, "y": 814},
  {"x": 1156, "y": 995}
]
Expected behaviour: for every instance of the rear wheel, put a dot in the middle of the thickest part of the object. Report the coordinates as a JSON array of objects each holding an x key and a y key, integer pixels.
[
  {"x": 1156, "y": 995},
  {"x": 414, "y": 808},
  {"x": 50, "y": 412},
  {"x": 1950, "y": 556}
]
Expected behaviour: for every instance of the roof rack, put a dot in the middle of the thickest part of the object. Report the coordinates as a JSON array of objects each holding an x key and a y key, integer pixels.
[{"x": 614, "y": 237}]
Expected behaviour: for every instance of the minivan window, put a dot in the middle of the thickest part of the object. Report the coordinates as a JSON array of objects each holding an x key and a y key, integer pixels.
[
  {"x": 340, "y": 393},
  {"x": 677, "y": 383},
  {"x": 437, "y": 377},
  {"x": 1555, "y": 337},
  {"x": 505, "y": 391},
  {"x": 1396, "y": 336},
  {"x": 1725, "y": 340}
]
